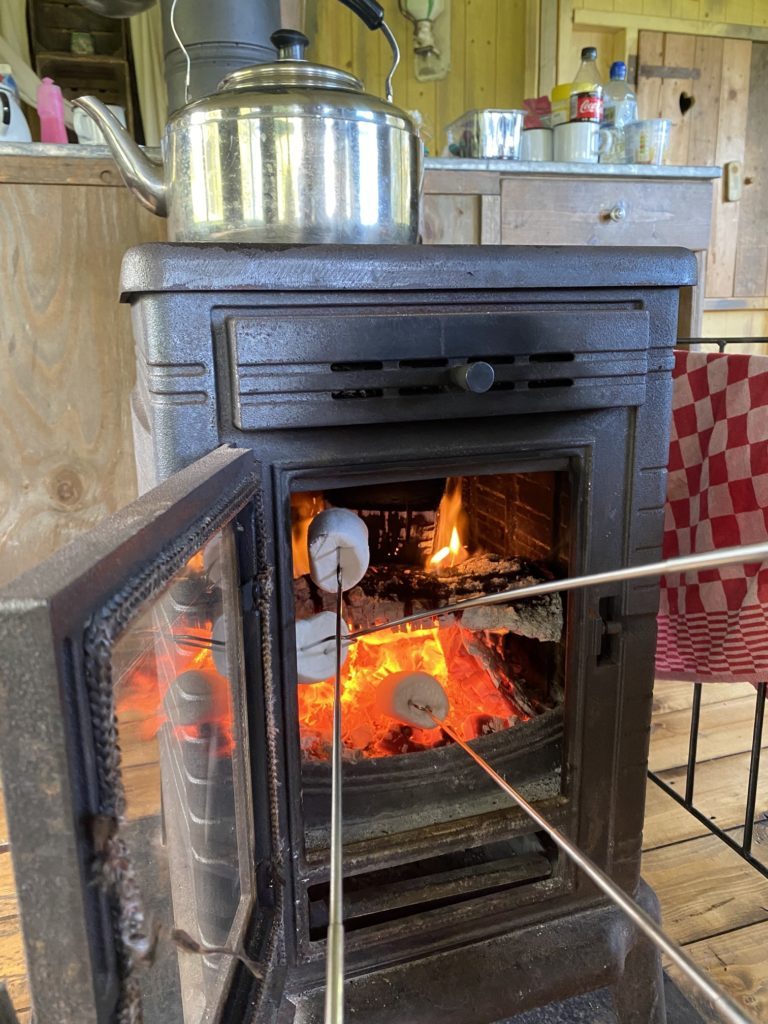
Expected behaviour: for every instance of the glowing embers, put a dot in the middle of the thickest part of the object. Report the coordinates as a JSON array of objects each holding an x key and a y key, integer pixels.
[{"x": 481, "y": 701}]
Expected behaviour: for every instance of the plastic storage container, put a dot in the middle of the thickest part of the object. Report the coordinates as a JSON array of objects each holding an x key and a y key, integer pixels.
[{"x": 489, "y": 134}]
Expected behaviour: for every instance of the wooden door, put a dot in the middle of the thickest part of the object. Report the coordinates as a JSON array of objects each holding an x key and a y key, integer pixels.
[{"x": 715, "y": 93}]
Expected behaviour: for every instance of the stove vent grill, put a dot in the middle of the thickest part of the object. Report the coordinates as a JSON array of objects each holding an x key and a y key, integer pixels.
[{"x": 337, "y": 368}]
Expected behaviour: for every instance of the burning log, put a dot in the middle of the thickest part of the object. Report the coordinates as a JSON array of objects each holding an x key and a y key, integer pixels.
[{"x": 390, "y": 592}]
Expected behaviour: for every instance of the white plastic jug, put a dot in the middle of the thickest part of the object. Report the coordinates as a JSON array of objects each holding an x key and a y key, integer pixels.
[{"x": 13, "y": 124}]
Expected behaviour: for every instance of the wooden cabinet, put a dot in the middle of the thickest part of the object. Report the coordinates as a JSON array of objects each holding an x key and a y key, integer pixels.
[{"x": 523, "y": 207}]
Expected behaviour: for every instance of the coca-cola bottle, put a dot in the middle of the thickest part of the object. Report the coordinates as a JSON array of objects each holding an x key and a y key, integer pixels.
[{"x": 587, "y": 98}]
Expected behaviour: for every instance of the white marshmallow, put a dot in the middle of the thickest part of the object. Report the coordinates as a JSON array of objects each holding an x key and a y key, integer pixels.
[
  {"x": 338, "y": 536},
  {"x": 396, "y": 695},
  {"x": 317, "y": 663}
]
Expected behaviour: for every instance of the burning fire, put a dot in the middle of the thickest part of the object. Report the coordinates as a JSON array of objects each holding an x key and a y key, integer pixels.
[
  {"x": 477, "y": 705},
  {"x": 304, "y": 508},
  {"x": 447, "y": 548}
]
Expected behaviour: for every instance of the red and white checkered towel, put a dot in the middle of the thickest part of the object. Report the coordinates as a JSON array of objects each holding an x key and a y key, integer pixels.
[{"x": 713, "y": 626}]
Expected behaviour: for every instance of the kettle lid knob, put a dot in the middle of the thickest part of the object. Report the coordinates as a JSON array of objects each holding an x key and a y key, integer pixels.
[{"x": 289, "y": 43}]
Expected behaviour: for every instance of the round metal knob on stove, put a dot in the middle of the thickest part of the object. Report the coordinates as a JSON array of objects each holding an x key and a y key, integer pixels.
[
  {"x": 475, "y": 377},
  {"x": 617, "y": 212}
]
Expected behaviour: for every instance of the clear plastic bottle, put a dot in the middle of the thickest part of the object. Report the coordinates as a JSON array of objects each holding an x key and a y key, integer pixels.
[
  {"x": 588, "y": 70},
  {"x": 620, "y": 107}
]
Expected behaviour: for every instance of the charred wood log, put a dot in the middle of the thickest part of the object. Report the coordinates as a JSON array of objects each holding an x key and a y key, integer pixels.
[{"x": 390, "y": 592}]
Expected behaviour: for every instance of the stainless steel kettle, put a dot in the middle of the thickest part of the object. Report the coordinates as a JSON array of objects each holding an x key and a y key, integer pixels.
[{"x": 289, "y": 151}]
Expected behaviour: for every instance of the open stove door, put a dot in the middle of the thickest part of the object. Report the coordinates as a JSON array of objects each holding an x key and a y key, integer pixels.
[{"x": 131, "y": 673}]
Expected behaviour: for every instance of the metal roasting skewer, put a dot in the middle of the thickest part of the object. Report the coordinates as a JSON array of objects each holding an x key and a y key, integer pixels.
[
  {"x": 334, "y": 969},
  {"x": 729, "y": 1011},
  {"x": 672, "y": 566}
]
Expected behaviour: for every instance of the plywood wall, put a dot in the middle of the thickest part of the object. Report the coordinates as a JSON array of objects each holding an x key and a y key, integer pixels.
[{"x": 487, "y": 58}]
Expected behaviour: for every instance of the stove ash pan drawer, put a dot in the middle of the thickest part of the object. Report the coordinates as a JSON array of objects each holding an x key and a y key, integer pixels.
[{"x": 341, "y": 368}]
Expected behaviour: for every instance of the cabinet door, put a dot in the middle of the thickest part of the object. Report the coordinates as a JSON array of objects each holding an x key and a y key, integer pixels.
[
  {"x": 715, "y": 93},
  {"x": 124, "y": 735}
]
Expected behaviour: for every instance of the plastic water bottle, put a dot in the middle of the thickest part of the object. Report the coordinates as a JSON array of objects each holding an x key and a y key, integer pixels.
[
  {"x": 50, "y": 108},
  {"x": 620, "y": 107}
]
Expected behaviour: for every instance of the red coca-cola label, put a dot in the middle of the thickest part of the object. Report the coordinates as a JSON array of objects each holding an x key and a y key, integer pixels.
[{"x": 587, "y": 106}]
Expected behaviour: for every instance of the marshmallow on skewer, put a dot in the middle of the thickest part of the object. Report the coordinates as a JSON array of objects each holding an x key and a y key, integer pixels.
[
  {"x": 398, "y": 693},
  {"x": 315, "y": 661},
  {"x": 337, "y": 536}
]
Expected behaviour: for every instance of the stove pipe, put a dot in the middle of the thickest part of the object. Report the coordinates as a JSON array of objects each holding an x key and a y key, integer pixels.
[{"x": 220, "y": 37}]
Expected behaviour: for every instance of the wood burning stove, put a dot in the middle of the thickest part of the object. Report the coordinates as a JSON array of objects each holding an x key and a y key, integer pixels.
[{"x": 493, "y": 414}]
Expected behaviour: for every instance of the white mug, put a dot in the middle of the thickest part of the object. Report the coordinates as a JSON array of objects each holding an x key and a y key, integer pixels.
[
  {"x": 537, "y": 144},
  {"x": 581, "y": 142}
]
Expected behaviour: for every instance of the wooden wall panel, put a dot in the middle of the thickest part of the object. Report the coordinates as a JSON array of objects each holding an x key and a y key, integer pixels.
[
  {"x": 488, "y": 59},
  {"x": 731, "y": 134},
  {"x": 705, "y": 114},
  {"x": 66, "y": 362},
  {"x": 751, "y": 270},
  {"x": 728, "y": 122}
]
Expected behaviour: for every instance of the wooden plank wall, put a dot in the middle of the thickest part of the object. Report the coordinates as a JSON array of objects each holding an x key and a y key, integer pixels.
[
  {"x": 727, "y": 122},
  {"x": 488, "y": 58},
  {"x": 66, "y": 352},
  {"x": 737, "y": 12}
]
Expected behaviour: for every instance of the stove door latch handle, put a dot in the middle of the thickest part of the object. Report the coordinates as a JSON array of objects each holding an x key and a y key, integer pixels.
[
  {"x": 476, "y": 377},
  {"x": 607, "y": 629}
]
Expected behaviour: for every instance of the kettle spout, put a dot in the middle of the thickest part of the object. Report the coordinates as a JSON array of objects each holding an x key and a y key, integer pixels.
[{"x": 143, "y": 177}]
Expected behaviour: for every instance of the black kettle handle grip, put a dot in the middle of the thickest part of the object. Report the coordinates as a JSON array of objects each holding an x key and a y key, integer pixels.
[
  {"x": 372, "y": 14},
  {"x": 368, "y": 11}
]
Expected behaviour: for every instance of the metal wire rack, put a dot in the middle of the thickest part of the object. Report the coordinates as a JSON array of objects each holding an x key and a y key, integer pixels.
[{"x": 743, "y": 848}]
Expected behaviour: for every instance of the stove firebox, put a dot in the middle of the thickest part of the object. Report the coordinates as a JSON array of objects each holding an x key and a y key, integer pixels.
[{"x": 495, "y": 415}]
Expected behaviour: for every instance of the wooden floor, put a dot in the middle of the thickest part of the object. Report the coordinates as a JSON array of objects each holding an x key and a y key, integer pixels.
[{"x": 713, "y": 903}]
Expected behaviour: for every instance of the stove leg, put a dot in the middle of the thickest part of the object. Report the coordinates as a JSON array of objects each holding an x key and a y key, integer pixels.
[{"x": 639, "y": 992}]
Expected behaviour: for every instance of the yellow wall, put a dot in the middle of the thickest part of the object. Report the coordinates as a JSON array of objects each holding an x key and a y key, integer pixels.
[
  {"x": 487, "y": 58},
  {"x": 614, "y": 24}
]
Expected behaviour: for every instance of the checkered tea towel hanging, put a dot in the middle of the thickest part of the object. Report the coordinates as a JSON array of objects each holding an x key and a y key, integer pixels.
[{"x": 713, "y": 626}]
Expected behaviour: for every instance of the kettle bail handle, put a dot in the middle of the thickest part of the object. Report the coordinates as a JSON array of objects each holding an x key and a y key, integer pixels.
[{"x": 372, "y": 14}]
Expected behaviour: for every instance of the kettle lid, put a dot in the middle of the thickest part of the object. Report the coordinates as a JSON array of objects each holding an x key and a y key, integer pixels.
[{"x": 291, "y": 70}]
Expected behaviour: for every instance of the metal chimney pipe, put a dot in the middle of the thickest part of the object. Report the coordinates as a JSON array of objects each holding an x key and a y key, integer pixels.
[{"x": 220, "y": 37}]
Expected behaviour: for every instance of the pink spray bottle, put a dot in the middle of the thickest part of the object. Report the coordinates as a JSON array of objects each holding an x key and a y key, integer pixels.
[{"x": 50, "y": 107}]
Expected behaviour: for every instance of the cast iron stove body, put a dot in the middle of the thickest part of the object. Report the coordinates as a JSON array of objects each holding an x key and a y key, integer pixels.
[{"x": 349, "y": 375}]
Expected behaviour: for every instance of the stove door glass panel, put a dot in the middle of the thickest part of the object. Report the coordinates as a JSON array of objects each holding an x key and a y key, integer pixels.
[
  {"x": 125, "y": 761},
  {"x": 179, "y": 736}
]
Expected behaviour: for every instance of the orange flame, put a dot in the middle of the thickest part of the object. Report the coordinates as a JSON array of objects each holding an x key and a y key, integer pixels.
[
  {"x": 304, "y": 508},
  {"x": 476, "y": 704},
  {"x": 447, "y": 547}
]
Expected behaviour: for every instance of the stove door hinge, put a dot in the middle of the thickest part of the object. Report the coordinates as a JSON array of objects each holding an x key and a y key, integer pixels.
[{"x": 607, "y": 629}]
